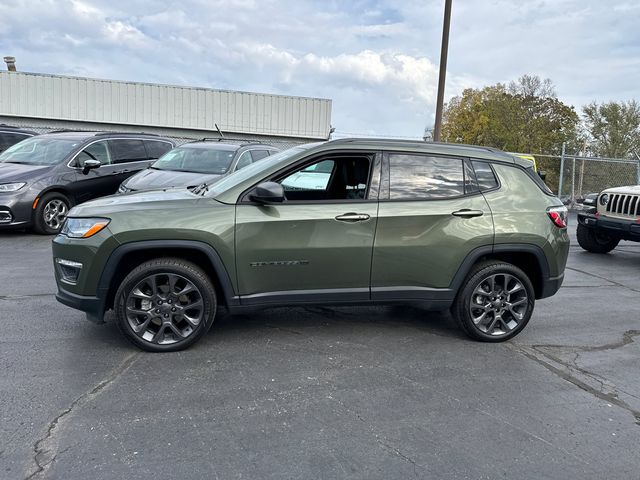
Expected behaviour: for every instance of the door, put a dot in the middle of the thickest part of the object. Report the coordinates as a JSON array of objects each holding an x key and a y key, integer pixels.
[
  {"x": 99, "y": 181},
  {"x": 431, "y": 216},
  {"x": 131, "y": 156},
  {"x": 315, "y": 246}
]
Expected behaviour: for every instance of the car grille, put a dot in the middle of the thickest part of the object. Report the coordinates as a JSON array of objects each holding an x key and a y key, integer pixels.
[{"x": 623, "y": 205}]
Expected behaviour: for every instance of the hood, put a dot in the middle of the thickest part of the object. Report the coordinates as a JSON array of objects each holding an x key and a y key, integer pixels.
[
  {"x": 151, "y": 179},
  {"x": 153, "y": 199},
  {"x": 17, "y": 172},
  {"x": 630, "y": 190}
]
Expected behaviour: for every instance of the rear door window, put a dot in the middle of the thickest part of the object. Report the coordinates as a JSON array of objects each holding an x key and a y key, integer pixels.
[
  {"x": 414, "y": 177},
  {"x": 8, "y": 139},
  {"x": 128, "y": 150}
]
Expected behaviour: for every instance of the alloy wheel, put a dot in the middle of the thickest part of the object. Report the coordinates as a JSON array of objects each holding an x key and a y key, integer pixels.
[
  {"x": 164, "y": 308},
  {"x": 498, "y": 304},
  {"x": 54, "y": 213}
]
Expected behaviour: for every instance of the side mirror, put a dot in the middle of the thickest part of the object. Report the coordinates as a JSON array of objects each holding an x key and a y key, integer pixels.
[
  {"x": 268, "y": 192},
  {"x": 543, "y": 175},
  {"x": 90, "y": 165}
]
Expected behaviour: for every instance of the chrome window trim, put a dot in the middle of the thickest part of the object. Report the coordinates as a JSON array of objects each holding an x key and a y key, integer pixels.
[{"x": 114, "y": 138}]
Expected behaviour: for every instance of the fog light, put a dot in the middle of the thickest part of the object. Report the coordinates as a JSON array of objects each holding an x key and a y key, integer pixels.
[
  {"x": 68, "y": 270},
  {"x": 5, "y": 217}
]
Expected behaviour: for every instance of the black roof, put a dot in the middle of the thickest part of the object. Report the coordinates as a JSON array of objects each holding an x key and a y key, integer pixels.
[{"x": 10, "y": 128}]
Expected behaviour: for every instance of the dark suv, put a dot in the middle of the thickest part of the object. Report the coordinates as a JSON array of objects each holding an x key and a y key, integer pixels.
[
  {"x": 43, "y": 176},
  {"x": 9, "y": 136},
  {"x": 343, "y": 222},
  {"x": 195, "y": 163}
]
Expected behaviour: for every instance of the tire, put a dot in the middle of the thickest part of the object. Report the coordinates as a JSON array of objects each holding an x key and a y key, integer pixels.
[
  {"x": 50, "y": 213},
  {"x": 594, "y": 241},
  {"x": 513, "y": 309},
  {"x": 173, "y": 318}
]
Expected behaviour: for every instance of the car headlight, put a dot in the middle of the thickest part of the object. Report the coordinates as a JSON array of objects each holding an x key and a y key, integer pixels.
[
  {"x": 11, "y": 187},
  {"x": 604, "y": 199},
  {"x": 83, "y": 227}
]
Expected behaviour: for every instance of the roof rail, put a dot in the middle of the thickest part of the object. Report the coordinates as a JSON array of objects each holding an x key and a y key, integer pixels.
[
  {"x": 399, "y": 140},
  {"x": 98, "y": 134},
  {"x": 67, "y": 130}
]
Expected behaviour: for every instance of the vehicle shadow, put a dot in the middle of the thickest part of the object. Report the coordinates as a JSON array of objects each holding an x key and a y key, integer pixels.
[{"x": 337, "y": 322}]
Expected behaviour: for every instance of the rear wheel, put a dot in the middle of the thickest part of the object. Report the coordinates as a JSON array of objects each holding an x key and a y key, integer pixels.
[
  {"x": 595, "y": 242},
  {"x": 165, "y": 305},
  {"x": 50, "y": 213},
  {"x": 495, "y": 303}
]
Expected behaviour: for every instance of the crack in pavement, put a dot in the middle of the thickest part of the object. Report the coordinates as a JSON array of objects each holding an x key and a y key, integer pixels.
[
  {"x": 618, "y": 284},
  {"x": 579, "y": 376},
  {"x": 44, "y": 447},
  {"x": 380, "y": 439},
  {"x": 28, "y": 295}
]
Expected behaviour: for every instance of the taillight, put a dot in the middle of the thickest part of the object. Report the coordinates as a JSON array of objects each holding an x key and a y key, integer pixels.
[{"x": 559, "y": 216}]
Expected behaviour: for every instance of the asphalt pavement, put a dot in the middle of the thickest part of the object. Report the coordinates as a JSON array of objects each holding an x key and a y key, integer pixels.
[{"x": 349, "y": 392}]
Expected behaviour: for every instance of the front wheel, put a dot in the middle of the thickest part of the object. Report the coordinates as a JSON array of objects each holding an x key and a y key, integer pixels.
[
  {"x": 50, "y": 213},
  {"x": 495, "y": 303},
  {"x": 165, "y": 305},
  {"x": 594, "y": 241}
]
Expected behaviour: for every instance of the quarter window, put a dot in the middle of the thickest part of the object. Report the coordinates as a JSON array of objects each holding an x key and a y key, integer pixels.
[
  {"x": 423, "y": 177},
  {"x": 128, "y": 150},
  {"x": 484, "y": 173},
  {"x": 156, "y": 149},
  {"x": 259, "y": 154}
]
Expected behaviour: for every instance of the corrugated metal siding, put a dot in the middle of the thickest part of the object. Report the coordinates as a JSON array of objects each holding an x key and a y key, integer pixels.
[{"x": 106, "y": 101}]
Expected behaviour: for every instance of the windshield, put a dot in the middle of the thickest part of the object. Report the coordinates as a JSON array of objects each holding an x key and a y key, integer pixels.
[
  {"x": 240, "y": 176},
  {"x": 196, "y": 160},
  {"x": 40, "y": 151}
]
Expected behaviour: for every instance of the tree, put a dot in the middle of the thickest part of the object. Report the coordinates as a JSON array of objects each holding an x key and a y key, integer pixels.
[
  {"x": 613, "y": 128},
  {"x": 524, "y": 116}
]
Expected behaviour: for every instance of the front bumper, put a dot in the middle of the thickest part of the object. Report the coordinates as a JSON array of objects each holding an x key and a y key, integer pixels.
[
  {"x": 15, "y": 210},
  {"x": 614, "y": 227},
  {"x": 92, "y": 306}
]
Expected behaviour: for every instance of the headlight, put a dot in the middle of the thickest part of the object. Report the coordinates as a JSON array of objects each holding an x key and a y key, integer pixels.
[
  {"x": 11, "y": 187},
  {"x": 83, "y": 227},
  {"x": 604, "y": 199}
]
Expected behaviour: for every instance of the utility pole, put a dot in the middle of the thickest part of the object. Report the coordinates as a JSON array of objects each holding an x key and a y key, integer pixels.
[{"x": 443, "y": 70}]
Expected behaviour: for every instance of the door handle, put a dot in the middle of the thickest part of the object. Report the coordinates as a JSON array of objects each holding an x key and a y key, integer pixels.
[
  {"x": 352, "y": 217},
  {"x": 467, "y": 213}
]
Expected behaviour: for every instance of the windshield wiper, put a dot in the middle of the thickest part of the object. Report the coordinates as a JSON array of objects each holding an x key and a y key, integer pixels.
[{"x": 200, "y": 189}]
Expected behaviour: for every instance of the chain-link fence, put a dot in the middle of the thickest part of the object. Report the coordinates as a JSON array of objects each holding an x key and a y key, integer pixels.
[{"x": 573, "y": 177}]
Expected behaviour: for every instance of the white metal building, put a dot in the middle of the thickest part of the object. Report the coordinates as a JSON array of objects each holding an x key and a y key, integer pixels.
[{"x": 48, "y": 102}]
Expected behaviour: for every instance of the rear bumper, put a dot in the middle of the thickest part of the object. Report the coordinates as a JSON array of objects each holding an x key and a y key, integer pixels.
[
  {"x": 551, "y": 285},
  {"x": 92, "y": 306},
  {"x": 618, "y": 228}
]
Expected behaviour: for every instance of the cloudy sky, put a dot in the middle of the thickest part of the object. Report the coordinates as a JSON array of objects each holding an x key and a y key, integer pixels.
[{"x": 377, "y": 60}]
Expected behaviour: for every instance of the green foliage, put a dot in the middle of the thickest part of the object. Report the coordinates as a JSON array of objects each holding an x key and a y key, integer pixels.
[
  {"x": 613, "y": 128},
  {"x": 523, "y": 117}
]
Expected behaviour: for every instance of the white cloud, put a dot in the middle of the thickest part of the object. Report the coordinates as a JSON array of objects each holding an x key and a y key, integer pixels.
[{"x": 376, "y": 59}]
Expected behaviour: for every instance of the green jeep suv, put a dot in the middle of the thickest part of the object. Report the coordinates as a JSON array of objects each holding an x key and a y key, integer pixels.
[{"x": 348, "y": 221}]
